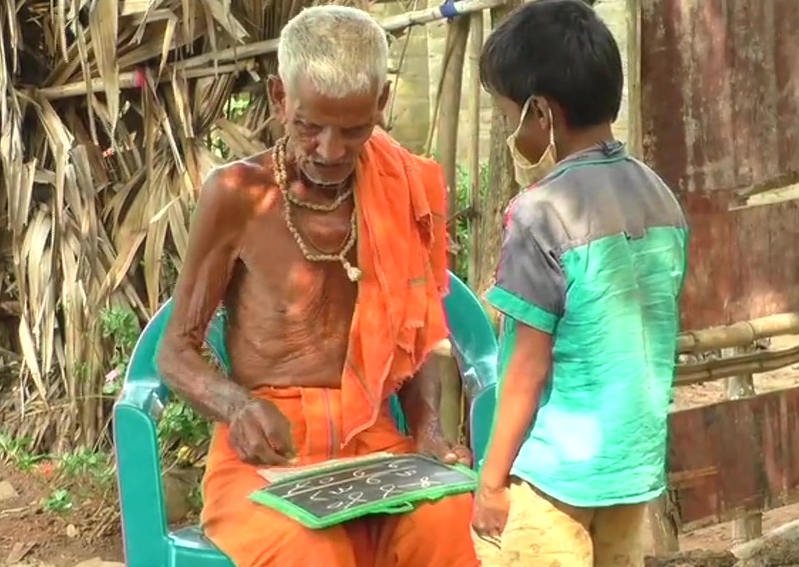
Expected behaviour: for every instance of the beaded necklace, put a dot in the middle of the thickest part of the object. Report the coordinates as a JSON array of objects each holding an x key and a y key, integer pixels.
[{"x": 289, "y": 200}]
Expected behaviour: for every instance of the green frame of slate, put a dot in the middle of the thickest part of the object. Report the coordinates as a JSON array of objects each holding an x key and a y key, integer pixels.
[{"x": 399, "y": 504}]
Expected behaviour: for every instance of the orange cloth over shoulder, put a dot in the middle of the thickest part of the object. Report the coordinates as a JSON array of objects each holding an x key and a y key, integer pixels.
[{"x": 402, "y": 252}]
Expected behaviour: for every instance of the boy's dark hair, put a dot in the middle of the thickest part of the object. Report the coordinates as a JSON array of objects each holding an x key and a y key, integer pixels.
[{"x": 561, "y": 50}]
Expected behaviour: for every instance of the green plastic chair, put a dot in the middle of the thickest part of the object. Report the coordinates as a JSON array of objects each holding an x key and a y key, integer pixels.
[{"x": 147, "y": 539}]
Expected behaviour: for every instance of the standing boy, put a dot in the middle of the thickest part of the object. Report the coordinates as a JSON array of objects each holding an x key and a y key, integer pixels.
[{"x": 588, "y": 284}]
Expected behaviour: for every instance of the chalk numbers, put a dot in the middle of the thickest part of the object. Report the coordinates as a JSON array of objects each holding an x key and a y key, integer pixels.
[
  {"x": 387, "y": 490},
  {"x": 339, "y": 491}
]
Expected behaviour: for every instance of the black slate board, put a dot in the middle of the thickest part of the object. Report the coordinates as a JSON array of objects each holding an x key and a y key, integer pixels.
[{"x": 342, "y": 492}]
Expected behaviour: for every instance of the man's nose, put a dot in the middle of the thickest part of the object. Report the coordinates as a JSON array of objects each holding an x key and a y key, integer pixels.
[{"x": 330, "y": 148}]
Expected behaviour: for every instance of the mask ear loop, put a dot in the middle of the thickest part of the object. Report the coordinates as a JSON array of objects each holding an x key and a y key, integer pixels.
[
  {"x": 523, "y": 115},
  {"x": 552, "y": 134}
]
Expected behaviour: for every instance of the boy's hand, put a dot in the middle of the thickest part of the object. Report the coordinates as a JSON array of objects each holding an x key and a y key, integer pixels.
[{"x": 491, "y": 507}]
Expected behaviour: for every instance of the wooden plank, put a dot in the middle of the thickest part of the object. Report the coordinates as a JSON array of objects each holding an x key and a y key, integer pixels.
[
  {"x": 734, "y": 457},
  {"x": 447, "y": 110},
  {"x": 733, "y": 81}
]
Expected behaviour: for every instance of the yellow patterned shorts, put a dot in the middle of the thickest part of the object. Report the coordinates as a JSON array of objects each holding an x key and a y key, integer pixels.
[{"x": 543, "y": 532}]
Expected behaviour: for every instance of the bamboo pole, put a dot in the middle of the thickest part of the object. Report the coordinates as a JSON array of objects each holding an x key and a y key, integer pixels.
[
  {"x": 662, "y": 526},
  {"x": 392, "y": 24},
  {"x": 696, "y": 373},
  {"x": 753, "y": 363},
  {"x": 502, "y": 188},
  {"x": 735, "y": 335},
  {"x": 738, "y": 334},
  {"x": 243, "y": 54},
  {"x": 449, "y": 105},
  {"x": 634, "y": 135},
  {"x": 661, "y": 515},
  {"x": 750, "y": 526},
  {"x": 450, "y": 408},
  {"x": 475, "y": 48},
  {"x": 134, "y": 79}
]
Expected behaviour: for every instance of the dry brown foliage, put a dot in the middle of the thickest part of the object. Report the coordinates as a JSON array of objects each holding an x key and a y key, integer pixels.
[{"x": 107, "y": 113}]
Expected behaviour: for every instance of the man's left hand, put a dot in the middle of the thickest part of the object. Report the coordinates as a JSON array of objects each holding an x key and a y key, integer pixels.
[{"x": 436, "y": 446}]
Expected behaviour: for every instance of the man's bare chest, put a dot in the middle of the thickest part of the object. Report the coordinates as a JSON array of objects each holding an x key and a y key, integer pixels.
[{"x": 274, "y": 268}]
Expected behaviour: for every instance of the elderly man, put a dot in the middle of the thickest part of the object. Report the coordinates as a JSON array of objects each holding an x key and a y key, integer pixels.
[{"x": 328, "y": 252}]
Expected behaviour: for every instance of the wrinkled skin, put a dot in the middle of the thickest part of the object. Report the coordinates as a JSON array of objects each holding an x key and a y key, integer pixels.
[
  {"x": 326, "y": 134},
  {"x": 289, "y": 319}
]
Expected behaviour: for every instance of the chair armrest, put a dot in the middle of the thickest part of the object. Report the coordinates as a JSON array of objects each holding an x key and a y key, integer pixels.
[{"x": 138, "y": 460}]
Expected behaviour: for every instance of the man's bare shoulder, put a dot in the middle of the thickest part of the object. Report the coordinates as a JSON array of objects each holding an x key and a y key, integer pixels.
[{"x": 240, "y": 186}]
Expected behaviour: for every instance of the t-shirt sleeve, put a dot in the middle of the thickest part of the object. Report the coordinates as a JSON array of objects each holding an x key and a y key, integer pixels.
[{"x": 530, "y": 286}]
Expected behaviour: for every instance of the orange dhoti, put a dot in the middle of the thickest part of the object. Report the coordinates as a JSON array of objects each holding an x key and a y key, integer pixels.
[{"x": 436, "y": 534}]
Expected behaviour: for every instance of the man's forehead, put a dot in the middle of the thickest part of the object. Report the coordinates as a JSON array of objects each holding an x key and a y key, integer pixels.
[{"x": 307, "y": 100}]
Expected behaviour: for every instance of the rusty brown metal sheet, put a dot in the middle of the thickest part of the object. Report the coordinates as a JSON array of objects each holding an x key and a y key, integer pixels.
[
  {"x": 720, "y": 114},
  {"x": 734, "y": 456},
  {"x": 742, "y": 264}
]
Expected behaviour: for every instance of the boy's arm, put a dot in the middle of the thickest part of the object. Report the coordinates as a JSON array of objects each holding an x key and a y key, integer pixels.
[{"x": 529, "y": 292}]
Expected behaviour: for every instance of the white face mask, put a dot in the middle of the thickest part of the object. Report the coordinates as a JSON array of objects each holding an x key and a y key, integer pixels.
[{"x": 527, "y": 173}]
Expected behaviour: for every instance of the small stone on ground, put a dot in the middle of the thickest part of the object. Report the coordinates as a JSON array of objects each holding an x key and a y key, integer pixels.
[{"x": 7, "y": 491}]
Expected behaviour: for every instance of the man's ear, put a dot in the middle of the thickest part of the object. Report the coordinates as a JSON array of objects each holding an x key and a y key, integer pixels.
[
  {"x": 383, "y": 100},
  {"x": 277, "y": 97}
]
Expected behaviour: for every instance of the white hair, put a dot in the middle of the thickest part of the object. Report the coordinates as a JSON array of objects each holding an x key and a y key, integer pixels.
[{"x": 341, "y": 50}]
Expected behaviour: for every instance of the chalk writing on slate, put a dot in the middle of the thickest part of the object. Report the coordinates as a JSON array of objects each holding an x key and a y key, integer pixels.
[{"x": 368, "y": 485}]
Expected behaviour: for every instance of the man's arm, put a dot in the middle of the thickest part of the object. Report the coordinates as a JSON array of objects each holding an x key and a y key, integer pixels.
[
  {"x": 529, "y": 292},
  {"x": 220, "y": 216},
  {"x": 420, "y": 398}
]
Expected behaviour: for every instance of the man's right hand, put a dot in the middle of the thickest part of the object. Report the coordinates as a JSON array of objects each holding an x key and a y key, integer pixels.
[{"x": 261, "y": 435}]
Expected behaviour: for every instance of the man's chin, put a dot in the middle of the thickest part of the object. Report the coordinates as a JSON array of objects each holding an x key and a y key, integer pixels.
[{"x": 334, "y": 179}]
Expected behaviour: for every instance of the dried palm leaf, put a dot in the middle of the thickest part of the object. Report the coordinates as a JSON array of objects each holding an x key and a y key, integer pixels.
[{"x": 107, "y": 112}]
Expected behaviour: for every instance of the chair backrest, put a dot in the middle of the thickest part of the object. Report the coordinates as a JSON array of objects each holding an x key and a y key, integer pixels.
[
  {"x": 139, "y": 471},
  {"x": 474, "y": 343},
  {"x": 471, "y": 335}
]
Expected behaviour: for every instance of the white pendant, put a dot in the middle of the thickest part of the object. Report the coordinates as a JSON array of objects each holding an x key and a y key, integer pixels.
[{"x": 353, "y": 273}]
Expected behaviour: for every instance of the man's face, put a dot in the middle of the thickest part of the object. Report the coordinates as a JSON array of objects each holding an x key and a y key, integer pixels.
[{"x": 327, "y": 134}]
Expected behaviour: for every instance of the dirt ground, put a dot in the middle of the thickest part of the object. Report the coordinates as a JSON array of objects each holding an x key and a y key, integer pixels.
[
  {"x": 31, "y": 536},
  {"x": 44, "y": 538}
]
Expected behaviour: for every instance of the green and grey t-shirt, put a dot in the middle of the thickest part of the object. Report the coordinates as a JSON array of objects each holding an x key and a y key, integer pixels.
[{"x": 595, "y": 255}]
